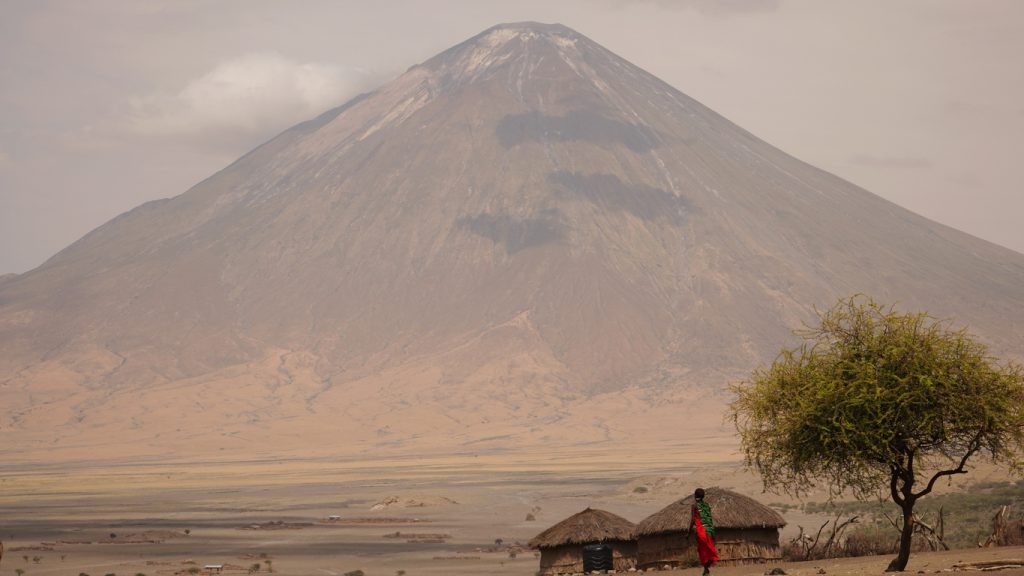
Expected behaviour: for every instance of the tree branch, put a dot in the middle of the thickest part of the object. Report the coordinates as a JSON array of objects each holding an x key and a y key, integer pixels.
[
  {"x": 817, "y": 538},
  {"x": 908, "y": 478},
  {"x": 837, "y": 532},
  {"x": 891, "y": 521},
  {"x": 894, "y": 475},
  {"x": 930, "y": 533},
  {"x": 974, "y": 446}
]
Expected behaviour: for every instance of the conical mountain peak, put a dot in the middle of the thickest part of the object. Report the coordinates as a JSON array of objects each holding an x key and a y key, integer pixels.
[
  {"x": 527, "y": 35},
  {"x": 523, "y": 36},
  {"x": 519, "y": 225},
  {"x": 522, "y": 46},
  {"x": 533, "y": 30}
]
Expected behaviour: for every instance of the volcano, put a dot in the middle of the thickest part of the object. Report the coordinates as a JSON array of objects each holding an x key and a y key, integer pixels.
[{"x": 524, "y": 241}]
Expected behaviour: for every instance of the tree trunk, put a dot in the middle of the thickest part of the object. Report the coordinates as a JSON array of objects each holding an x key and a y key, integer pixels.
[{"x": 899, "y": 563}]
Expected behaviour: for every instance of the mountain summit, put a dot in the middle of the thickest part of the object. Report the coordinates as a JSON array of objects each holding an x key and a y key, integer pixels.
[{"x": 523, "y": 241}]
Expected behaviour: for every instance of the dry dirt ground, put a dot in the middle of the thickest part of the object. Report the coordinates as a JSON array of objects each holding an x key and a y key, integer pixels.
[{"x": 421, "y": 516}]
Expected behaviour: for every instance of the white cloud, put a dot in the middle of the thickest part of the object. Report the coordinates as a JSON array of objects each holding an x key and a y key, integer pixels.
[{"x": 252, "y": 94}]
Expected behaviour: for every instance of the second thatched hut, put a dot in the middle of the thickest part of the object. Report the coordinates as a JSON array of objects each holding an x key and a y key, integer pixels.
[
  {"x": 592, "y": 533},
  {"x": 746, "y": 532}
]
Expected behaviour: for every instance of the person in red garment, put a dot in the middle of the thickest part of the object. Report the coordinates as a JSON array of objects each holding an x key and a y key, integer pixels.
[{"x": 704, "y": 528}]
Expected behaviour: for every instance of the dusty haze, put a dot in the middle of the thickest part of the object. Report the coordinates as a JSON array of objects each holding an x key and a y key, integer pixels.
[
  {"x": 108, "y": 105},
  {"x": 525, "y": 242}
]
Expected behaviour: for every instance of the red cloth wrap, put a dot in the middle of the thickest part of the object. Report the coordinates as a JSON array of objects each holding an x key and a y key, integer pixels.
[{"x": 705, "y": 544}]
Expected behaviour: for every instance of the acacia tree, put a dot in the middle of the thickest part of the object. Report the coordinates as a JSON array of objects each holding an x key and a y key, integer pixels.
[{"x": 874, "y": 401}]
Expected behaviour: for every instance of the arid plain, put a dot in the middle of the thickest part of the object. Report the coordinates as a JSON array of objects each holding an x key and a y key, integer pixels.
[{"x": 425, "y": 515}]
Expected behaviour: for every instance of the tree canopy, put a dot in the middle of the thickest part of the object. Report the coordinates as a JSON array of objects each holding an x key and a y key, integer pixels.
[{"x": 875, "y": 400}]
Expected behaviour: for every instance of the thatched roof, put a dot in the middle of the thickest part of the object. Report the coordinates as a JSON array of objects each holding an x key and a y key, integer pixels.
[
  {"x": 728, "y": 510},
  {"x": 585, "y": 527}
]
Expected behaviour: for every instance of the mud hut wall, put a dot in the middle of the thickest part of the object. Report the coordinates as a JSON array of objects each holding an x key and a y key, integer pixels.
[
  {"x": 568, "y": 559},
  {"x": 673, "y": 548},
  {"x": 623, "y": 555},
  {"x": 561, "y": 559},
  {"x": 735, "y": 547}
]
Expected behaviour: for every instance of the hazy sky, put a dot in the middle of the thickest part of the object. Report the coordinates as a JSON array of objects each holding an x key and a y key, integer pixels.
[{"x": 107, "y": 104}]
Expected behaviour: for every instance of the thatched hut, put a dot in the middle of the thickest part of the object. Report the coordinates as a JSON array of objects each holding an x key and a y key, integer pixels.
[
  {"x": 562, "y": 546},
  {"x": 746, "y": 532}
]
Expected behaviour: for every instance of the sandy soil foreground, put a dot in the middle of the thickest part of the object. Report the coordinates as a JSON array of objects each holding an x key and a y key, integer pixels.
[
  {"x": 335, "y": 552},
  {"x": 412, "y": 517}
]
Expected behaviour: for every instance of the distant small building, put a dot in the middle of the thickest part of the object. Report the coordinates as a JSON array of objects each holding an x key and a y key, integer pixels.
[
  {"x": 604, "y": 538},
  {"x": 746, "y": 532},
  {"x": 214, "y": 568},
  {"x": 333, "y": 518}
]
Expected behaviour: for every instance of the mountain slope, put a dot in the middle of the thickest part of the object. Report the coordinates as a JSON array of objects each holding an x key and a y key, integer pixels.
[{"x": 490, "y": 251}]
